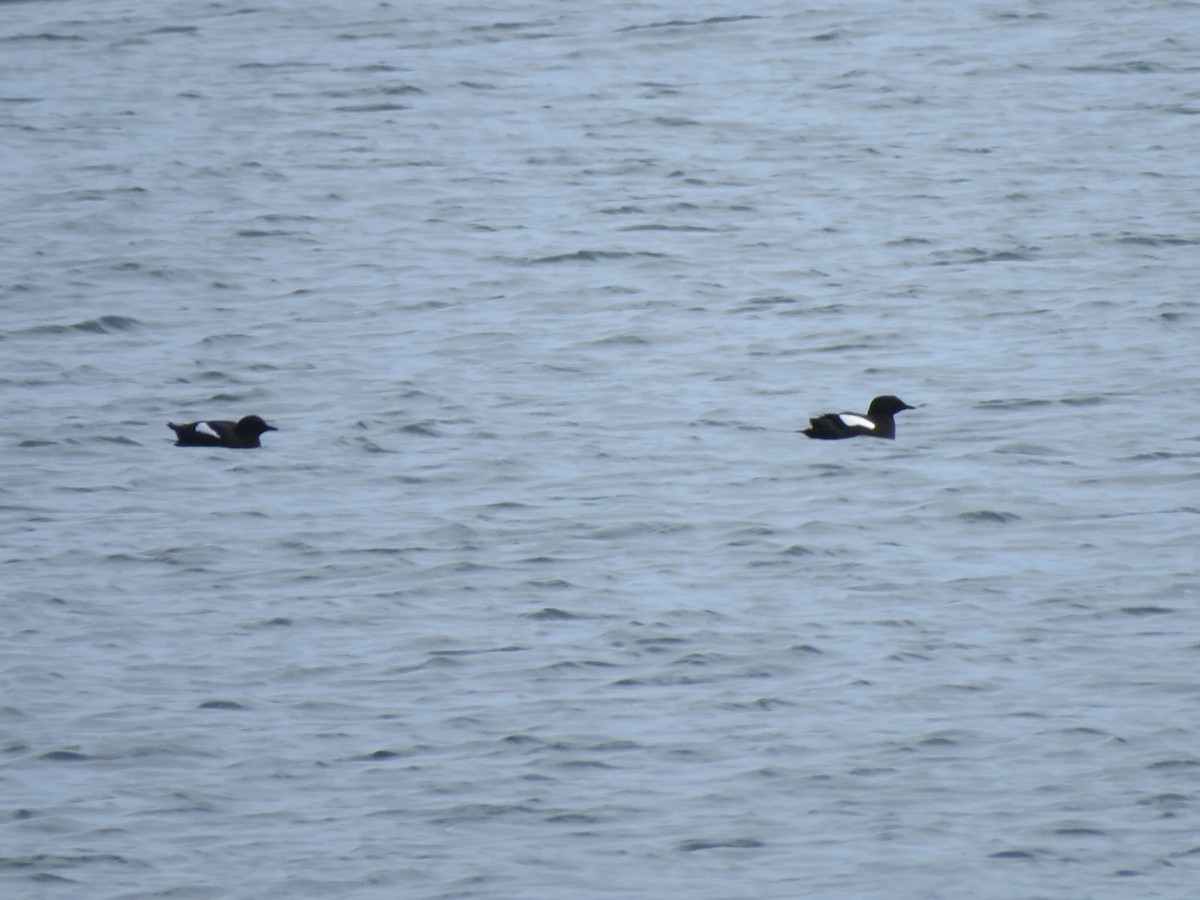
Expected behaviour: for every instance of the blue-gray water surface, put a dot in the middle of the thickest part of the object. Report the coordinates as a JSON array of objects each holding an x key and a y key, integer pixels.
[{"x": 537, "y": 592}]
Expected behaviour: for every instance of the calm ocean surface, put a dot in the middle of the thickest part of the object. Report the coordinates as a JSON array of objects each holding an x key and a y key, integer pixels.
[{"x": 536, "y": 592}]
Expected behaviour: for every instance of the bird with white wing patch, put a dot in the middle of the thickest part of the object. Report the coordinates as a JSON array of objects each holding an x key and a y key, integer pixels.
[
  {"x": 243, "y": 434},
  {"x": 878, "y": 422}
]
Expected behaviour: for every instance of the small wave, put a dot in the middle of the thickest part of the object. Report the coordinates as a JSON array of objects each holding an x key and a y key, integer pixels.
[
  {"x": 806, "y": 648},
  {"x": 372, "y": 107},
  {"x": 1016, "y": 403},
  {"x": 591, "y": 256},
  {"x": 100, "y": 325},
  {"x": 717, "y": 844},
  {"x": 577, "y": 664},
  {"x": 395, "y": 90},
  {"x": 844, "y": 347},
  {"x": 476, "y": 651},
  {"x": 1002, "y": 256},
  {"x": 1174, "y": 764},
  {"x": 798, "y": 550},
  {"x": 1147, "y": 610},
  {"x": 1133, "y": 67},
  {"x": 988, "y": 517},
  {"x": 551, "y": 614},
  {"x": 683, "y": 228},
  {"x": 377, "y": 755},
  {"x": 674, "y": 121},
  {"x": 44, "y": 36},
  {"x": 1030, "y": 450},
  {"x": 424, "y": 429},
  {"x": 65, "y": 756},
  {"x": 370, "y": 446},
  {"x": 1156, "y": 240},
  {"x": 550, "y": 584},
  {"x": 264, "y": 233},
  {"x": 755, "y": 303},
  {"x": 970, "y": 255},
  {"x": 619, "y": 340},
  {"x": 689, "y": 23}
]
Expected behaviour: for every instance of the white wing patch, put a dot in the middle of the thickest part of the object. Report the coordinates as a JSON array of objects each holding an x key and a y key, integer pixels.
[
  {"x": 205, "y": 428},
  {"x": 850, "y": 420}
]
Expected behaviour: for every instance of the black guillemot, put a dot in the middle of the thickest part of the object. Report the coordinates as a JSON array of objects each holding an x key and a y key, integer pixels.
[
  {"x": 878, "y": 422},
  {"x": 240, "y": 435}
]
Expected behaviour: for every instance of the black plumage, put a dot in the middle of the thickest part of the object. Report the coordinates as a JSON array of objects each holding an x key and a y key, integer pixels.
[
  {"x": 878, "y": 421},
  {"x": 243, "y": 434}
]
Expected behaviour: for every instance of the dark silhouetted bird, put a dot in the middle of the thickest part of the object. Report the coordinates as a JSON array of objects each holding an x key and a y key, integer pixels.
[
  {"x": 240, "y": 435},
  {"x": 878, "y": 421}
]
